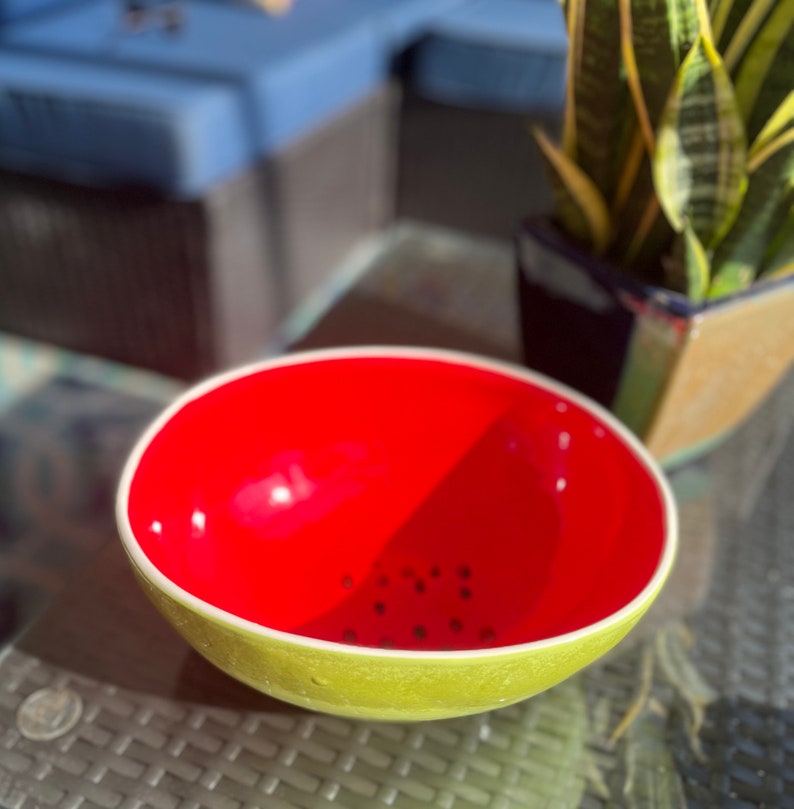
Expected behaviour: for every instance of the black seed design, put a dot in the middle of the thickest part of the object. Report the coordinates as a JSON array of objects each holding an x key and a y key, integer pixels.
[
  {"x": 420, "y": 633},
  {"x": 465, "y": 592},
  {"x": 347, "y": 582},
  {"x": 487, "y": 634},
  {"x": 456, "y": 625},
  {"x": 435, "y": 571},
  {"x": 419, "y": 586},
  {"x": 380, "y": 607},
  {"x": 383, "y": 581},
  {"x": 349, "y": 635},
  {"x": 464, "y": 571}
]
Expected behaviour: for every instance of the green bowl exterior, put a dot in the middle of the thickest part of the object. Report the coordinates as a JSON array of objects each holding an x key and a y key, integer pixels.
[
  {"x": 381, "y": 686},
  {"x": 376, "y": 683}
]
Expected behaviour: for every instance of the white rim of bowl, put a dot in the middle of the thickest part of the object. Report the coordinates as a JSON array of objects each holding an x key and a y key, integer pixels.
[{"x": 151, "y": 572}]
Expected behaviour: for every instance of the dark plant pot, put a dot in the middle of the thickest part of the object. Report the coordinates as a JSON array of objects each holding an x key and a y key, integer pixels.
[{"x": 682, "y": 376}]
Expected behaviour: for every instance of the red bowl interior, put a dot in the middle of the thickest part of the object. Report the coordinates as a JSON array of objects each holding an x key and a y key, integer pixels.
[{"x": 398, "y": 502}]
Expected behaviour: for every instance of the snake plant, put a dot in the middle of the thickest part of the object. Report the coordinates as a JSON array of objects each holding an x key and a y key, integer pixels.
[{"x": 676, "y": 160}]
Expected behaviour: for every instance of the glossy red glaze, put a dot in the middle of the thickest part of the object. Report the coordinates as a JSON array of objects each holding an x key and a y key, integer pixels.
[{"x": 392, "y": 501}]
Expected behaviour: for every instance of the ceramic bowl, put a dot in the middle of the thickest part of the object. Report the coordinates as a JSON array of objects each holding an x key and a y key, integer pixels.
[{"x": 395, "y": 533}]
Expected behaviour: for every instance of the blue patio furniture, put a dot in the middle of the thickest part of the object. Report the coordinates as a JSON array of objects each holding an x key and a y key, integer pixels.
[
  {"x": 484, "y": 73},
  {"x": 169, "y": 192}
]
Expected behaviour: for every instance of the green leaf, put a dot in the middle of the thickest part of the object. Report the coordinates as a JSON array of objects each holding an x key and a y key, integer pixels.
[
  {"x": 656, "y": 36},
  {"x": 776, "y": 86},
  {"x": 769, "y": 198},
  {"x": 696, "y": 265},
  {"x": 721, "y": 11},
  {"x": 641, "y": 232},
  {"x": 579, "y": 205},
  {"x": 780, "y": 120},
  {"x": 745, "y": 31},
  {"x": 699, "y": 166},
  {"x": 779, "y": 261},
  {"x": 753, "y": 88},
  {"x": 596, "y": 96},
  {"x": 731, "y": 279}
]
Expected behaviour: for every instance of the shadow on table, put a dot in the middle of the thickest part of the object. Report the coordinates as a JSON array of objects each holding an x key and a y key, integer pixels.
[
  {"x": 63, "y": 441},
  {"x": 104, "y": 628}
]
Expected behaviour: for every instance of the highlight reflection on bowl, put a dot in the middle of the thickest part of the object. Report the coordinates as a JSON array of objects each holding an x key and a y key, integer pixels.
[{"x": 395, "y": 533}]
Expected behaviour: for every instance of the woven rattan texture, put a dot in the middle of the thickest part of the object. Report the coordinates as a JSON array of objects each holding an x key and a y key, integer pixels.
[
  {"x": 131, "y": 751},
  {"x": 122, "y": 275},
  {"x": 744, "y": 639},
  {"x": 746, "y": 643},
  {"x": 187, "y": 287}
]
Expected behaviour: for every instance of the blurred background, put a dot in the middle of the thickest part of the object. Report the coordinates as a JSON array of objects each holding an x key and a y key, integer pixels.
[
  {"x": 187, "y": 185},
  {"x": 180, "y": 178}
]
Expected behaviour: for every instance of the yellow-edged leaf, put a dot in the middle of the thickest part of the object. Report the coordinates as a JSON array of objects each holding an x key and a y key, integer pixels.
[
  {"x": 654, "y": 38},
  {"x": 783, "y": 271},
  {"x": 770, "y": 196},
  {"x": 595, "y": 95},
  {"x": 779, "y": 261},
  {"x": 574, "y": 21},
  {"x": 696, "y": 265},
  {"x": 627, "y": 45},
  {"x": 719, "y": 11},
  {"x": 781, "y": 119},
  {"x": 747, "y": 29},
  {"x": 759, "y": 57},
  {"x": 699, "y": 166},
  {"x": 579, "y": 205},
  {"x": 762, "y": 155}
]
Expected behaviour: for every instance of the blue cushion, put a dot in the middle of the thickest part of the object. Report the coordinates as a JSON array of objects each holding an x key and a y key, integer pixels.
[
  {"x": 291, "y": 73},
  {"x": 112, "y": 126},
  {"x": 402, "y": 22},
  {"x": 16, "y": 9},
  {"x": 294, "y": 71},
  {"x": 497, "y": 54}
]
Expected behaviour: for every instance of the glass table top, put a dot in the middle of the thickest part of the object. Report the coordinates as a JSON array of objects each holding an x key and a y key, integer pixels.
[{"x": 102, "y": 705}]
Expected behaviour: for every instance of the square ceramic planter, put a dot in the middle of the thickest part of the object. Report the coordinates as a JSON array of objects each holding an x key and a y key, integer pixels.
[{"x": 681, "y": 375}]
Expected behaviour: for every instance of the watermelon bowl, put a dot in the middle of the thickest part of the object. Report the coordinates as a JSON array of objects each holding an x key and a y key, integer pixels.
[{"x": 389, "y": 533}]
